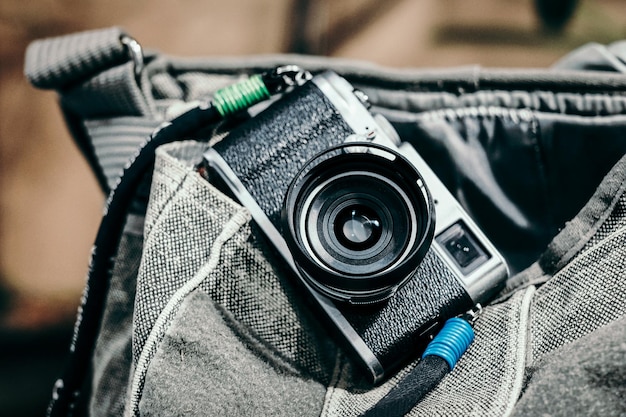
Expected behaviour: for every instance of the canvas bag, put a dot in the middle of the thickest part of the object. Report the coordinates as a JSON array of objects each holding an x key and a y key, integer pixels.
[{"x": 199, "y": 317}]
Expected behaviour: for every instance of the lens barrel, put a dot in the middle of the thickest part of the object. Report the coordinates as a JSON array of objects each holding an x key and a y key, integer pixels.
[{"x": 358, "y": 220}]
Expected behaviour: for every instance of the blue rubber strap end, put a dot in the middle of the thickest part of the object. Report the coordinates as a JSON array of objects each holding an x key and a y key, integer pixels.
[{"x": 451, "y": 341}]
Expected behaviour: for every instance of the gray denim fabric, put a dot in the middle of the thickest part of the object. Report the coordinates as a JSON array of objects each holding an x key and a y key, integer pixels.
[{"x": 201, "y": 319}]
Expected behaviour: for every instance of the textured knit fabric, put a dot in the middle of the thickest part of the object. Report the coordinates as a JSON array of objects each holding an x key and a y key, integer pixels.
[
  {"x": 586, "y": 377},
  {"x": 220, "y": 375}
]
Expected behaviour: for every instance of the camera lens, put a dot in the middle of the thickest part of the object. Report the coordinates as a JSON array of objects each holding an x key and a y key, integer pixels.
[{"x": 358, "y": 221}]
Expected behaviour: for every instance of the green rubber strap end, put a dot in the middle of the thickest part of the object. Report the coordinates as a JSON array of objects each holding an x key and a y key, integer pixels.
[{"x": 240, "y": 96}]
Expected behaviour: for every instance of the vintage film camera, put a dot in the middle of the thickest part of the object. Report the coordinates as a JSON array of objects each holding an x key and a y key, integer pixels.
[{"x": 380, "y": 245}]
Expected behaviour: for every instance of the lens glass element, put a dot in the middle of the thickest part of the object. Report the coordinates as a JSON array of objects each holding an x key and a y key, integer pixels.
[{"x": 357, "y": 227}]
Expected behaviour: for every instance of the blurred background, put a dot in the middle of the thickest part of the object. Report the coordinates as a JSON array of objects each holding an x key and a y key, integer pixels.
[{"x": 50, "y": 203}]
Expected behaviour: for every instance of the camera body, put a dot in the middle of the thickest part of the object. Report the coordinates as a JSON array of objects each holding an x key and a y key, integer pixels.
[{"x": 380, "y": 246}]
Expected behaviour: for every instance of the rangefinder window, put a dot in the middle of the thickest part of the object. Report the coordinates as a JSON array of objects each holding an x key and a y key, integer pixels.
[{"x": 463, "y": 248}]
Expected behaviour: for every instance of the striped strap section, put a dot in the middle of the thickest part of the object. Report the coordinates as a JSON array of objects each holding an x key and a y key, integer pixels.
[
  {"x": 54, "y": 63},
  {"x": 116, "y": 140}
]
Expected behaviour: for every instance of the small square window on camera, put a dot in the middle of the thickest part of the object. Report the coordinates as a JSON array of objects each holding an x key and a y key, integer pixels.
[{"x": 463, "y": 248}]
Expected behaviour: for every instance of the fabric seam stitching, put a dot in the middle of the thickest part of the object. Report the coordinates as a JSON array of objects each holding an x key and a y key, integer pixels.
[
  {"x": 520, "y": 362},
  {"x": 332, "y": 386}
]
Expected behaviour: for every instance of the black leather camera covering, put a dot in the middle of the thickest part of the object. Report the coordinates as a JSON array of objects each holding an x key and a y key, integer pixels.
[{"x": 267, "y": 152}]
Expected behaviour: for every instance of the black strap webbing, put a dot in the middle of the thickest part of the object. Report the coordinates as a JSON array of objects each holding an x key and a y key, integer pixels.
[{"x": 411, "y": 389}]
